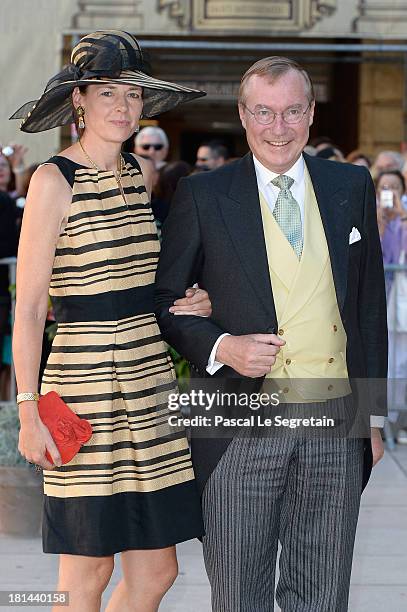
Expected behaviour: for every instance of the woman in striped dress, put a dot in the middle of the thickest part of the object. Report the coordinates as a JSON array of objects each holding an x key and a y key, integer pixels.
[{"x": 89, "y": 239}]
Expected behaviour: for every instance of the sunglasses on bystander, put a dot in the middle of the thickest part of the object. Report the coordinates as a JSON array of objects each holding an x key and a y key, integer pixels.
[{"x": 156, "y": 147}]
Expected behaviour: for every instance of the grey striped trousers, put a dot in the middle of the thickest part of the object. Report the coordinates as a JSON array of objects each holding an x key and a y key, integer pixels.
[{"x": 303, "y": 491}]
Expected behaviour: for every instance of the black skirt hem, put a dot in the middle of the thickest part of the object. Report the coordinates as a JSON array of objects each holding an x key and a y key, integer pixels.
[
  {"x": 100, "y": 526},
  {"x": 84, "y": 553}
]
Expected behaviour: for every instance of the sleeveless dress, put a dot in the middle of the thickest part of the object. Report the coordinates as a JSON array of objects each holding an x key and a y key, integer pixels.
[{"x": 131, "y": 486}]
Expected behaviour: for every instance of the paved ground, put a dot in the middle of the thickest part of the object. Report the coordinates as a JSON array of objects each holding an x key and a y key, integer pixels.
[{"x": 379, "y": 577}]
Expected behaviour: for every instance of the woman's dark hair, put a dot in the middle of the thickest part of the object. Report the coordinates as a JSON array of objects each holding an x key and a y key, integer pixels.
[
  {"x": 392, "y": 173},
  {"x": 168, "y": 179}
]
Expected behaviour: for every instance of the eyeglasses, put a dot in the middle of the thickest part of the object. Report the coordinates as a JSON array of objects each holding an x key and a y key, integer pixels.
[
  {"x": 291, "y": 115},
  {"x": 156, "y": 147}
]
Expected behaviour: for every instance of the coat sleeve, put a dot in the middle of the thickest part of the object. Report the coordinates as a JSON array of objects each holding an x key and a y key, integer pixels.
[
  {"x": 372, "y": 303},
  {"x": 180, "y": 265}
]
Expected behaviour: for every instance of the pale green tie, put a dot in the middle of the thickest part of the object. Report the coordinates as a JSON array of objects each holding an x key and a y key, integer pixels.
[{"x": 287, "y": 213}]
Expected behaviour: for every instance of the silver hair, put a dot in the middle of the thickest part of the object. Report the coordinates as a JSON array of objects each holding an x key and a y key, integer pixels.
[
  {"x": 152, "y": 130},
  {"x": 398, "y": 158}
]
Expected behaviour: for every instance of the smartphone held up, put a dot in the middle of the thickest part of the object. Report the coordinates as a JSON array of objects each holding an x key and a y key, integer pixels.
[{"x": 386, "y": 198}]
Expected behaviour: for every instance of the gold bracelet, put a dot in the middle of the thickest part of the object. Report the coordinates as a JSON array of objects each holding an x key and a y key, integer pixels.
[{"x": 27, "y": 397}]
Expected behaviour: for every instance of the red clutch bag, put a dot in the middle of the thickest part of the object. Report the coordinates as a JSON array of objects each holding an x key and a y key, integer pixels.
[{"x": 68, "y": 431}]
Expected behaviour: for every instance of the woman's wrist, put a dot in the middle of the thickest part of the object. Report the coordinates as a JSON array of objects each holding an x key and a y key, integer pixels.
[{"x": 28, "y": 411}]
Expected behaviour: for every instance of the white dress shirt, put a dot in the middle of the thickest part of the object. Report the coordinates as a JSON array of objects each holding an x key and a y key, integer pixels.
[{"x": 270, "y": 193}]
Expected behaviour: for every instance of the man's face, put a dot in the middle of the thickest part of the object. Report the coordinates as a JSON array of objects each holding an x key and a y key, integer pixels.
[
  {"x": 279, "y": 144},
  {"x": 206, "y": 160},
  {"x": 153, "y": 147},
  {"x": 385, "y": 162}
]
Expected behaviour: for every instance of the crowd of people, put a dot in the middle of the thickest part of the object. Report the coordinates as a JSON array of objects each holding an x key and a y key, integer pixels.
[{"x": 388, "y": 169}]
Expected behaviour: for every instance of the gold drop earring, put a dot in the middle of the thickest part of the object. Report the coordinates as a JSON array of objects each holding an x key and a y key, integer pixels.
[{"x": 81, "y": 113}]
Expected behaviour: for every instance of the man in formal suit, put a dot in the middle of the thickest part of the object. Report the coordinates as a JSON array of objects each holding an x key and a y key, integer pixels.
[{"x": 288, "y": 248}]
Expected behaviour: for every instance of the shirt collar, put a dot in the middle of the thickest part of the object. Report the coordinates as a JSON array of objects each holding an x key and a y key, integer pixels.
[{"x": 264, "y": 175}]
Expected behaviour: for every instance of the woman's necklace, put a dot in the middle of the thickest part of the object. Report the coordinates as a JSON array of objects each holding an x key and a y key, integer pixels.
[{"x": 117, "y": 173}]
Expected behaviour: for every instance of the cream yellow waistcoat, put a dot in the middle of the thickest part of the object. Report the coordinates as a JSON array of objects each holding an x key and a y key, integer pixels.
[{"x": 307, "y": 310}]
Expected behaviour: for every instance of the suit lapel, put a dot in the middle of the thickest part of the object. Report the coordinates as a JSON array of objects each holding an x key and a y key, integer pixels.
[
  {"x": 333, "y": 202},
  {"x": 240, "y": 209}
]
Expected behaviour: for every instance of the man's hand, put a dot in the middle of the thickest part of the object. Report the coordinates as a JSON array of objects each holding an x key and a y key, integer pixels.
[
  {"x": 377, "y": 445},
  {"x": 196, "y": 302},
  {"x": 252, "y": 355}
]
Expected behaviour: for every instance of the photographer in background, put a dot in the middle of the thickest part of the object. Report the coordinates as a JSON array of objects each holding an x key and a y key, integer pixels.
[
  {"x": 12, "y": 170},
  {"x": 391, "y": 216}
]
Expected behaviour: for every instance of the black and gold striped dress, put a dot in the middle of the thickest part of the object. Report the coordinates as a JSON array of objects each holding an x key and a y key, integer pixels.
[{"x": 132, "y": 485}]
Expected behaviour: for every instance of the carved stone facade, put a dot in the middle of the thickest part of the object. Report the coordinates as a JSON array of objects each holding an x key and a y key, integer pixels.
[
  {"x": 178, "y": 10},
  {"x": 326, "y": 18},
  {"x": 382, "y": 18},
  {"x": 204, "y": 15},
  {"x": 99, "y": 14},
  {"x": 249, "y": 15}
]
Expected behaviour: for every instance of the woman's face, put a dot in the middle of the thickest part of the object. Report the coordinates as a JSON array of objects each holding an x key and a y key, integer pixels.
[
  {"x": 112, "y": 111},
  {"x": 5, "y": 174},
  {"x": 392, "y": 182}
]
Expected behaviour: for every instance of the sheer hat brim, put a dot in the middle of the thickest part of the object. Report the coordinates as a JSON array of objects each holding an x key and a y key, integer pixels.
[{"x": 54, "y": 108}]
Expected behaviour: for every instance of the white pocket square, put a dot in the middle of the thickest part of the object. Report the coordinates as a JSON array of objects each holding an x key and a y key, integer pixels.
[{"x": 354, "y": 236}]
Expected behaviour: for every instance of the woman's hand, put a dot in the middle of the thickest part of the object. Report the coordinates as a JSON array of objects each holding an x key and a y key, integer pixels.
[
  {"x": 196, "y": 302},
  {"x": 377, "y": 445},
  {"x": 385, "y": 215},
  {"x": 35, "y": 440},
  {"x": 397, "y": 210},
  {"x": 17, "y": 157}
]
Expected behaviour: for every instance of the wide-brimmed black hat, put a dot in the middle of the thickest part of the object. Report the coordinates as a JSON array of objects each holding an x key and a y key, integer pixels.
[{"x": 102, "y": 57}]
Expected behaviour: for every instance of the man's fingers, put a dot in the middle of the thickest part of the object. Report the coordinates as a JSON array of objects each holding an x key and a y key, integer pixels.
[
  {"x": 196, "y": 298},
  {"x": 185, "y": 302},
  {"x": 187, "y": 307},
  {"x": 268, "y": 339},
  {"x": 263, "y": 360},
  {"x": 263, "y": 351},
  {"x": 190, "y": 312},
  {"x": 190, "y": 292}
]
